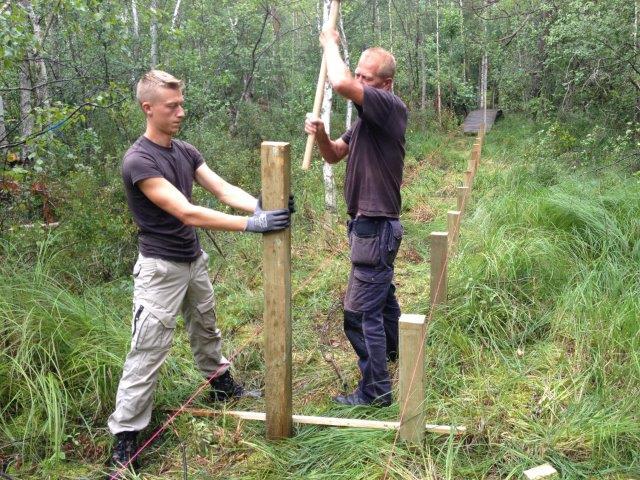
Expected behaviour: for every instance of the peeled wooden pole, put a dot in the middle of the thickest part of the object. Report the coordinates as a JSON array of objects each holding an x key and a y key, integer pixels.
[
  {"x": 438, "y": 290},
  {"x": 322, "y": 78},
  {"x": 453, "y": 225},
  {"x": 411, "y": 377},
  {"x": 463, "y": 194},
  {"x": 276, "y": 260}
]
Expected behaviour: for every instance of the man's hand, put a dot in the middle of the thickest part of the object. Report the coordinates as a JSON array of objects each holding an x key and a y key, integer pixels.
[
  {"x": 329, "y": 35},
  {"x": 268, "y": 220},
  {"x": 314, "y": 126},
  {"x": 291, "y": 205}
]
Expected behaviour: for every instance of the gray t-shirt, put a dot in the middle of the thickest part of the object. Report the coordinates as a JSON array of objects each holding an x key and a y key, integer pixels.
[
  {"x": 161, "y": 235},
  {"x": 376, "y": 155}
]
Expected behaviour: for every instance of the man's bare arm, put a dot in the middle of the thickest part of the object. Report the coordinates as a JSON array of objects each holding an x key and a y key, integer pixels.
[
  {"x": 171, "y": 200},
  {"x": 225, "y": 192},
  {"x": 331, "y": 150}
]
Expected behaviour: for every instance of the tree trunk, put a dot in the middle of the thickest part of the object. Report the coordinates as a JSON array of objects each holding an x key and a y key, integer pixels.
[
  {"x": 26, "y": 109},
  {"x": 134, "y": 19},
  {"x": 154, "y": 33},
  {"x": 463, "y": 43},
  {"x": 327, "y": 168},
  {"x": 635, "y": 50},
  {"x": 176, "y": 12},
  {"x": 42, "y": 91},
  {"x": 345, "y": 51},
  {"x": 438, "y": 89},
  {"x": 3, "y": 130},
  {"x": 390, "y": 28}
]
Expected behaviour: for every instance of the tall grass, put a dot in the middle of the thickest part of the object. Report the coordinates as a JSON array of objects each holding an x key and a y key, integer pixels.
[{"x": 537, "y": 351}]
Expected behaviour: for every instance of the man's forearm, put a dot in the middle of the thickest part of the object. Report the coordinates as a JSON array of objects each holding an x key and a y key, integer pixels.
[
  {"x": 337, "y": 71},
  {"x": 197, "y": 216},
  {"x": 327, "y": 148},
  {"x": 237, "y": 198}
]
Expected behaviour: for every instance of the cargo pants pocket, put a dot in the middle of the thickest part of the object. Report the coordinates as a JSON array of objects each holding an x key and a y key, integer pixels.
[
  {"x": 151, "y": 328},
  {"x": 365, "y": 243}
]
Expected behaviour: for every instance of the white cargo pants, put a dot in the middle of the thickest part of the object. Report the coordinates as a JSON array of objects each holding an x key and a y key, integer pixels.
[{"x": 162, "y": 290}]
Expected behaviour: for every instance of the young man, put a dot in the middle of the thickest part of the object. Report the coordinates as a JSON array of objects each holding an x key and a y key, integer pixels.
[
  {"x": 375, "y": 144},
  {"x": 170, "y": 275}
]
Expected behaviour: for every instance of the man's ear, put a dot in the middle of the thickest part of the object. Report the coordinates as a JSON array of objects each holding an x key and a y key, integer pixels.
[
  {"x": 146, "y": 107},
  {"x": 388, "y": 84}
]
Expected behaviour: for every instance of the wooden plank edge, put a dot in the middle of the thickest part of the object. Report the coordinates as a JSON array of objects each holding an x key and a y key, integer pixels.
[
  {"x": 326, "y": 421},
  {"x": 542, "y": 471}
]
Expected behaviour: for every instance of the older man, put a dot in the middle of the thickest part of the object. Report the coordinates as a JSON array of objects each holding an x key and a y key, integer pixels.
[{"x": 375, "y": 148}]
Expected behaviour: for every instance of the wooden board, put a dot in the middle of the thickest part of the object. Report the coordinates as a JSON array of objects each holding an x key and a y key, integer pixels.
[
  {"x": 327, "y": 421},
  {"x": 473, "y": 121}
]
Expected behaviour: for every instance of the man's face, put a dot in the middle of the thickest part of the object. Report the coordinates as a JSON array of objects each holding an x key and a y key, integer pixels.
[
  {"x": 367, "y": 73},
  {"x": 165, "y": 110}
]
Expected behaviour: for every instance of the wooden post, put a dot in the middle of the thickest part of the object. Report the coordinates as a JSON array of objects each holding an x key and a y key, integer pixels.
[
  {"x": 411, "y": 377},
  {"x": 476, "y": 152},
  {"x": 438, "y": 291},
  {"x": 471, "y": 163},
  {"x": 463, "y": 195},
  {"x": 276, "y": 186},
  {"x": 453, "y": 225},
  {"x": 467, "y": 179}
]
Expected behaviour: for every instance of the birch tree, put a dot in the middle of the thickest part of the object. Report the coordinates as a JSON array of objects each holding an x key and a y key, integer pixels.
[
  {"x": 176, "y": 12},
  {"x": 154, "y": 33},
  {"x": 3, "y": 130},
  {"x": 327, "y": 168},
  {"x": 26, "y": 108},
  {"x": 42, "y": 90},
  {"x": 438, "y": 89}
]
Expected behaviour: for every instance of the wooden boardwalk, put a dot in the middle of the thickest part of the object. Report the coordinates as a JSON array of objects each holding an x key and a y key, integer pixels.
[{"x": 473, "y": 121}]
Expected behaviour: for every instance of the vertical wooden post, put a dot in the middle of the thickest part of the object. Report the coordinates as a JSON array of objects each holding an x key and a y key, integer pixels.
[
  {"x": 438, "y": 272},
  {"x": 467, "y": 179},
  {"x": 276, "y": 186},
  {"x": 471, "y": 163},
  {"x": 476, "y": 152},
  {"x": 453, "y": 225},
  {"x": 463, "y": 194},
  {"x": 411, "y": 377}
]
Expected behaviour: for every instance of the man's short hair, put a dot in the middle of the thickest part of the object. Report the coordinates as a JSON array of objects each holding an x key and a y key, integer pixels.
[
  {"x": 387, "y": 66},
  {"x": 154, "y": 79}
]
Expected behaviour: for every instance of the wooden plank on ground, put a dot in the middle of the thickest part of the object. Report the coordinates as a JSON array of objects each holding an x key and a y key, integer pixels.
[
  {"x": 542, "y": 471},
  {"x": 326, "y": 421},
  {"x": 473, "y": 122}
]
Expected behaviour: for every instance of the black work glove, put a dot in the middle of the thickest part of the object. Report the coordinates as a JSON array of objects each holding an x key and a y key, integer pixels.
[
  {"x": 291, "y": 205},
  {"x": 263, "y": 221}
]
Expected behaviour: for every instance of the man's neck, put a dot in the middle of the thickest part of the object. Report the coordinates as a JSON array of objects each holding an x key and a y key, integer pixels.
[{"x": 158, "y": 137}]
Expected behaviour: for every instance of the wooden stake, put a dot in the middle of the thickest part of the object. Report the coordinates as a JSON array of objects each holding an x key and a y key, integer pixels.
[
  {"x": 463, "y": 195},
  {"x": 276, "y": 186},
  {"x": 453, "y": 225},
  {"x": 438, "y": 292},
  {"x": 326, "y": 421},
  {"x": 468, "y": 179},
  {"x": 411, "y": 377},
  {"x": 322, "y": 78}
]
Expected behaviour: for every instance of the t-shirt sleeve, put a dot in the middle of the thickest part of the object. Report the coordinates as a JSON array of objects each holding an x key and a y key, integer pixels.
[
  {"x": 346, "y": 136},
  {"x": 196, "y": 156},
  {"x": 382, "y": 108},
  {"x": 136, "y": 167}
]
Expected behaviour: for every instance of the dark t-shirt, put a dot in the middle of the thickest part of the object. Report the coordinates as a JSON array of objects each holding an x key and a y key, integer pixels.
[
  {"x": 161, "y": 235},
  {"x": 376, "y": 155}
]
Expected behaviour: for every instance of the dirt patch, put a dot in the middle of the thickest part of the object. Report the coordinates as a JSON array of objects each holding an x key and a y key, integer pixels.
[{"x": 423, "y": 212}]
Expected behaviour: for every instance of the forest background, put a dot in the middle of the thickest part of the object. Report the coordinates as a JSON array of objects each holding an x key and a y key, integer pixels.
[{"x": 538, "y": 353}]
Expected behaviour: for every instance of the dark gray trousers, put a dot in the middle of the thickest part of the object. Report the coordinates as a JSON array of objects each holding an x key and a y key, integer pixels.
[{"x": 371, "y": 310}]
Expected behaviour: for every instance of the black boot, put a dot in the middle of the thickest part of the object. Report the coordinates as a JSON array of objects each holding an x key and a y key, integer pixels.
[
  {"x": 123, "y": 450},
  {"x": 224, "y": 388}
]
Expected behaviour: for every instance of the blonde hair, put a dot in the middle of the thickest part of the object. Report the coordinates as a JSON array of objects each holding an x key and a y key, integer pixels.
[
  {"x": 387, "y": 66},
  {"x": 154, "y": 79}
]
